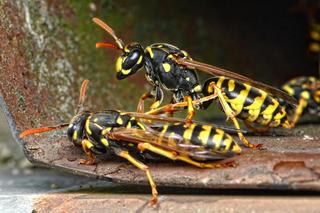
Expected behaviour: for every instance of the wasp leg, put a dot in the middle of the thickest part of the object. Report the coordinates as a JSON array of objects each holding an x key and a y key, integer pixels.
[
  {"x": 86, "y": 146},
  {"x": 254, "y": 129},
  {"x": 231, "y": 114},
  {"x": 156, "y": 93},
  {"x": 191, "y": 111},
  {"x": 174, "y": 156},
  {"x": 145, "y": 168},
  {"x": 297, "y": 114}
]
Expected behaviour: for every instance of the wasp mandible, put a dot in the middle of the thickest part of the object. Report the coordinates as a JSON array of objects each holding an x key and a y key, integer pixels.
[{"x": 125, "y": 135}]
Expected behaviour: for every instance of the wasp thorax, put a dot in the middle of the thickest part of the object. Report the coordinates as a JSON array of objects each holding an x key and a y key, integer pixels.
[
  {"x": 76, "y": 128},
  {"x": 130, "y": 61}
]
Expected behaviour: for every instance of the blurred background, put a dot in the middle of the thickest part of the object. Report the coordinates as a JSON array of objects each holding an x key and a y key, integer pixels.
[{"x": 47, "y": 48}]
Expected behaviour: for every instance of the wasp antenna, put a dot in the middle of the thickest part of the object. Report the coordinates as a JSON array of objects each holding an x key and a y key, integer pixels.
[
  {"x": 42, "y": 129},
  {"x": 107, "y": 45},
  {"x": 82, "y": 95},
  {"x": 110, "y": 31}
]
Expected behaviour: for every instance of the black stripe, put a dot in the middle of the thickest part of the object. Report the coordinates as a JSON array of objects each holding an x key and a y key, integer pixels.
[
  {"x": 210, "y": 143},
  {"x": 176, "y": 128},
  {"x": 267, "y": 101},
  {"x": 195, "y": 135},
  {"x": 222, "y": 144},
  {"x": 238, "y": 87},
  {"x": 278, "y": 109},
  {"x": 253, "y": 93}
]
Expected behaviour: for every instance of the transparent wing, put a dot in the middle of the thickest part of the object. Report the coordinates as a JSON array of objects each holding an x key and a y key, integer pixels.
[
  {"x": 222, "y": 72},
  {"x": 167, "y": 142},
  {"x": 180, "y": 120}
]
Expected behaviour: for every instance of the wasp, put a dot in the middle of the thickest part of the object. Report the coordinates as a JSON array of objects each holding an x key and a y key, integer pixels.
[
  {"x": 124, "y": 135},
  {"x": 173, "y": 69},
  {"x": 306, "y": 89}
]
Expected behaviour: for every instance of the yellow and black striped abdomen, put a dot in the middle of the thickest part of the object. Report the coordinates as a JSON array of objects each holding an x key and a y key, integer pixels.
[
  {"x": 199, "y": 138},
  {"x": 252, "y": 104}
]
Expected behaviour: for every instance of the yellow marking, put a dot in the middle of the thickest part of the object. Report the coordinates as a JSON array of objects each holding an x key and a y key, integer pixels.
[
  {"x": 187, "y": 78},
  {"x": 88, "y": 144},
  {"x": 241, "y": 98},
  {"x": 210, "y": 90},
  {"x": 97, "y": 125},
  {"x": 125, "y": 72},
  {"x": 126, "y": 49},
  {"x": 257, "y": 102},
  {"x": 119, "y": 120},
  {"x": 217, "y": 138},
  {"x": 141, "y": 126},
  {"x": 87, "y": 126},
  {"x": 197, "y": 88},
  {"x": 219, "y": 82},
  {"x": 253, "y": 115},
  {"x": 170, "y": 56},
  {"x": 75, "y": 135},
  {"x": 205, "y": 134},
  {"x": 231, "y": 85},
  {"x": 184, "y": 53},
  {"x": 165, "y": 128},
  {"x": 236, "y": 148},
  {"x": 266, "y": 119},
  {"x": 150, "y": 52},
  {"x": 105, "y": 142},
  {"x": 139, "y": 60},
  {"x": 171, "y": 141},
  {"x": 166, "y": 67},
  {"x": 129, "y": 125},
  {"x": 131, "y": 144},
  {"x": 106, "y": 130},
  {"x": 271, "y": 108},
  {"x": 95, "y": 120},
  {"x": 188, "y": 132},
  {"x": 119, "y": 64},
  {"x": 305, "y": 95},
  {"x": 155, "y": 105},
  {"x": 227, "y": 142},
  {"x": 237, "y": 108},
  {"x": 317, "y": 96},
  {"x": 288, "y": 89},
  {"x": 280, "y": 115}
]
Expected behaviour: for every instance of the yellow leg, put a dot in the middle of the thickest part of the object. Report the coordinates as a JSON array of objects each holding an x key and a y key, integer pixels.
[
  {"x": 191, "y": 111},
  {"x": 297, "y": 114},
  {"x": 86, "y": 145},
  {"x": 254, "y": 129},
  {"x": 174, "y": 156},
  {"x": 145, "y": 168},
  {"x": 231, "y": 114}
]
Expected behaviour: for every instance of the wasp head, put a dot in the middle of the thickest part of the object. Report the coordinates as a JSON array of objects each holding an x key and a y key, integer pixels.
[
  {"x": 130, "y": 61},
  {"x": 76, "y": 128}
]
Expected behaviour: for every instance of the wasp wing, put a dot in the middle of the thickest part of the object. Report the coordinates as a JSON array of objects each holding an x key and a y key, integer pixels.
[
  {"x": 144, "y": 116},
  {"x": 168, "y": 142},
  {"x": 222, "y": 72}
]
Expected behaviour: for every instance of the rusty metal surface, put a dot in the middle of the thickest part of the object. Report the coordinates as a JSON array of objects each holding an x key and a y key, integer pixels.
[
  {"x": 173, "y": 203},
  {"x": 290, "y": 162}
]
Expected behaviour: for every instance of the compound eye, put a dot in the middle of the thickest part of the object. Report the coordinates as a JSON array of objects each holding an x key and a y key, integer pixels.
[{"x": 131, "y": 59}]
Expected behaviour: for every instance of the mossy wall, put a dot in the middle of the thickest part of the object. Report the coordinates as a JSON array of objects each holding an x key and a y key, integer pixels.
[{"x": 52, "y": 45}]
